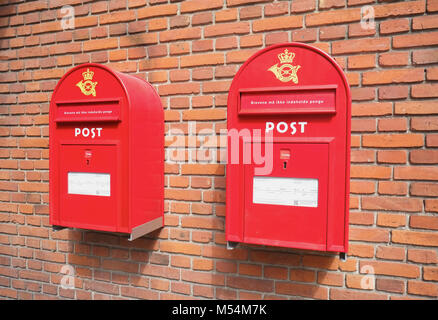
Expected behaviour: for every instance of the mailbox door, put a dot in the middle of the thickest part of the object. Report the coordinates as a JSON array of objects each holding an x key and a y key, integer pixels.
[
  {"x": 88, "y": 179},
  {"x": 289, "y": 206}
]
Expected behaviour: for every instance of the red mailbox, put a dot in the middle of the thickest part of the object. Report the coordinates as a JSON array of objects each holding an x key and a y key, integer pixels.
[
  {"x": 289, "y": 150},
  {"x": 106, "y": 152}
]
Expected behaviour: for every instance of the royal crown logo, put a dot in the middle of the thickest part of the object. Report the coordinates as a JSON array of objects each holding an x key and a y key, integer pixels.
[
  {"x": 86, "y": 85},
  {"x": 286, "y": 72}
]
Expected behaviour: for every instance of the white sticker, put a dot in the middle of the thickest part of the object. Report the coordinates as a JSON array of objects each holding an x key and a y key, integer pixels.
[
  {"x": 296, "y": 192},
  {"x": 91, "y": 184}
]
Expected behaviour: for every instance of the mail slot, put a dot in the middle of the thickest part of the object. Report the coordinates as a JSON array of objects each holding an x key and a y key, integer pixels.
[
  {"x": 106, "y": 152},
  {"x": 289, "y": 150}
]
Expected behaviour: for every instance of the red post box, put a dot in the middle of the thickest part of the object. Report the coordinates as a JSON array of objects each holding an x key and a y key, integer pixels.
[
  {"x": 289, "y": 150},
  {"x": 106, "y": 152}
]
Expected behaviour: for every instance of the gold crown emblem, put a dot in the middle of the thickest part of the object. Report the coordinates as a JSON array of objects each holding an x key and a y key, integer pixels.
[
  {"x": 286, "y": 71},
  {"x": 87, "y": 86},
  {"x": 88, "y": 75},
  {"x": 286, "y": 56}
]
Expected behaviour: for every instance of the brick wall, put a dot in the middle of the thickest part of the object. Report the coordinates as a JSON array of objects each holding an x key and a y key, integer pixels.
[{"x": 190, "y": 51}]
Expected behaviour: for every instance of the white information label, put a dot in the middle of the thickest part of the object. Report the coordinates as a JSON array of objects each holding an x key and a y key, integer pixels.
[
  {"x": 296, "y": 192},
  {"x": 92, "y": 184}
]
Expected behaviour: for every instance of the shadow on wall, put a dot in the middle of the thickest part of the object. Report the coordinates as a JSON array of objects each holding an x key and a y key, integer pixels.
[{"x": 107, "y": 265}]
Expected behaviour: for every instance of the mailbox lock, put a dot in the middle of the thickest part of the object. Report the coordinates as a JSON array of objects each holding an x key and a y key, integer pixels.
[
  {"x": 284, "y": 155},
  {"x": 88, "y": 154}
]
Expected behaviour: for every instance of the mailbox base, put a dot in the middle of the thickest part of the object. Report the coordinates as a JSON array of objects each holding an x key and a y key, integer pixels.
[
  {"x": 58, "y": 228},
  {"x": 145, "y": 228}
]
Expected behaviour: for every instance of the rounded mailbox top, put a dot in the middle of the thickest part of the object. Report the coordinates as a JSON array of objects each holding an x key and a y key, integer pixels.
[
  {"x": 289, "y": 64},
  {"x": 92, "y": 86},
  {"x": 298, "y": 71},
  {"x": 94, "y": 81}
]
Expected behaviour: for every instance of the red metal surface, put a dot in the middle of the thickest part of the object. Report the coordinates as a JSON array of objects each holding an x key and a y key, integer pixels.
[
  {"x": 110, "y": 125},
  {"x": 300, "y": 95}
]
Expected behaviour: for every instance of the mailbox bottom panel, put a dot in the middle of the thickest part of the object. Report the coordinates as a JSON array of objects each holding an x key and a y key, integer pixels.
[
  {"x": 288, "y": 207},
  {"x": 87, "y": 179}
]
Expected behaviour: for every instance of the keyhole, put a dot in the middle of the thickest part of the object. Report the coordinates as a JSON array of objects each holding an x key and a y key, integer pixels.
[
  {"x": 284, "y": 164},
  {"x": 88, "y": 162}
]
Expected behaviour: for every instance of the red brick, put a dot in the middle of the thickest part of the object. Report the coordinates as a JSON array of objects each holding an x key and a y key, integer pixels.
[
  {"x": 299, "y": 6},
  {"x": 416, "y": 107},
  {"x": 343, "y": 294},
  {"x": 369, "y": 234},
  {"x": 423, "y": 288},
  {"x": 200, "y": 5},
  {"x": 390, "y": 253},
  {"x": 424, "y": 91},
  {"x": 231, "y": 3},
  {"x": 226, "y": 15},
  {"x": 390, "y": 59},
  {"x": 222, "y": 29},
  {"x": 423, "y": 256},
  {"x": 392, "y": 204},
  {"x": 391, "y": 220},
  {"x": 277, "y": 37},
  {"x": 330, "y": 278},
  {"x": 394, "y": 124},
  {"x": 360, "y": 45},
  {"x": 202, "y": 60},
  {"x": 415, "y": 238},
  {"x": 432, "y": 74},
  {"x": 202, "y": 222},
  {"x": 302, "y": 275},
  {"x": 361, "y": 250},
  {"x": 202, "y": 277},
  {"x": 392, "y": 93},
  {"x": 424, "y": 189},
  {"x": 392, "y": 268},
  {"x": 425, "y": 22},
  {"x": 394, "y": 26},
  {"x": 301, "y": 290},
  {"x": 275, "y": 9},
  {"x": 332, "y": 32},
  {"x": 371, "y": 109},
  {"x": 390, "y": 285},
  {"x": 180, "y": 34},
  {"x": 392, "y": 140},
  {"x": 277, "y": 258},
  {"x": 424, "y": 124},
  {"x": 430, "y": 273},
  {"x": 416, "y": 173},
  {"x": 180, "y": 248},
  {"x": 204, "y": 114},
  {"x": 156, "y": 24},
  {"x": 330, "y": 263},
  {"x": 278, "y": 273},
  {"x": 362, "y": 61},
  {"x": 415, "y": 40},
  {"x": 179, "y": 88},
  {"x": 424, "y": 222},
  {"x": 333, "y": 17},
  {"x": 358, "y": 156},
  {"x": 393, "y": 188},
  {"x": 202, "y": 18},
  {"x": 157, "y": 11},
  {"x": 425, "y": 56},
  {"x": 377, "y": 172},
  {"x": 362, "y": 187},
  {"x": 393, "y": 76},
  {"x": 431, "y": 205},
  {"x": 424, "y": 156},
  {"x": 432, "y": 140},
  {"x": 399, "y": 9},
  {"x": 277, "y": 23}
]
